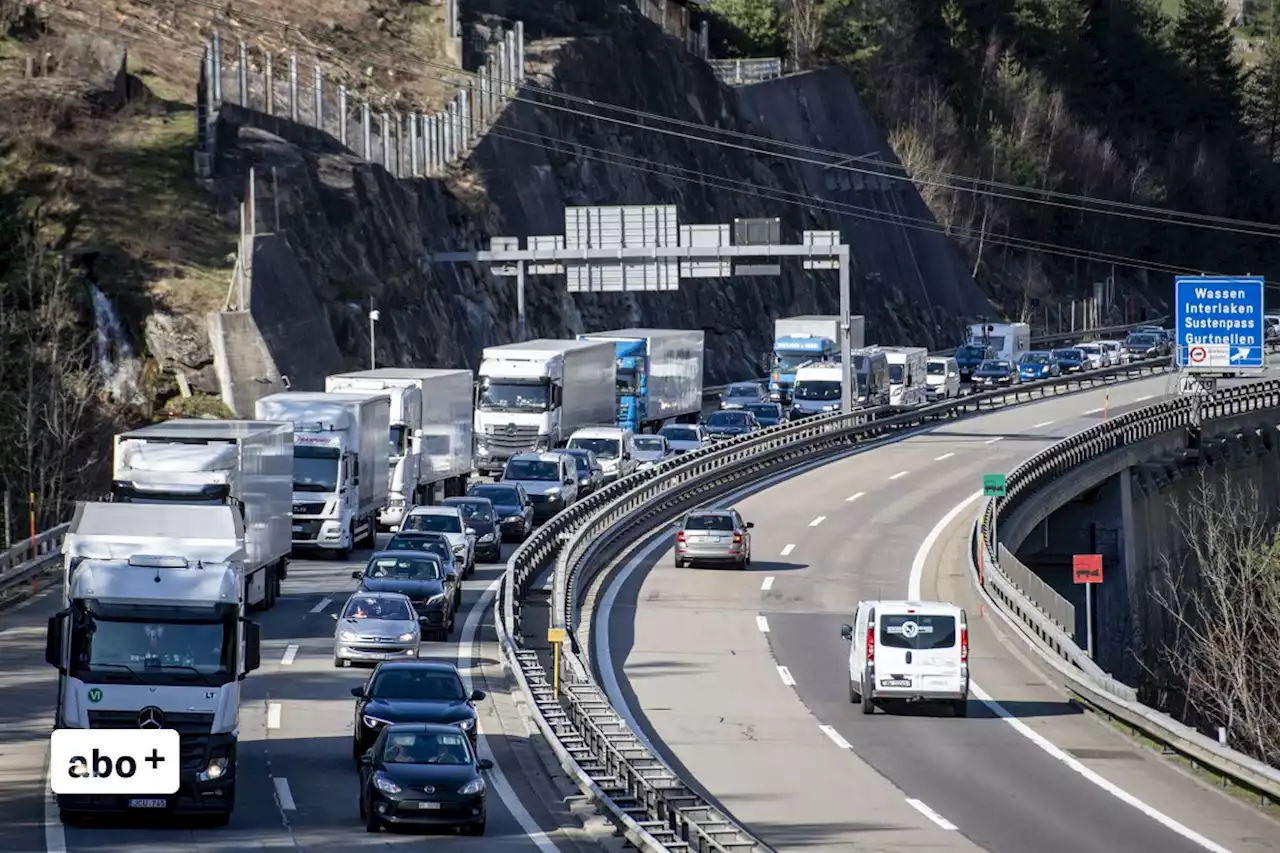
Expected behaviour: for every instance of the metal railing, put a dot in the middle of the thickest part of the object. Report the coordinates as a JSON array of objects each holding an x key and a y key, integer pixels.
[
  {"x": 25, "y": 562},
  {"x": 743, "y": 72},
  {"x": 611, "y": 763}
]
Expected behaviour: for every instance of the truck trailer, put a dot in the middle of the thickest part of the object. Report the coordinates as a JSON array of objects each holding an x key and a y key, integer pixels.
[
  {"x": 153, "y": 634},
  {"x": 1011, "y": 341},
  {"x": 340, "y": 465},
  {"x": 908, "y": 375},
  {"x": 806, "y": 339},
  {"x": 531, "y": 396},
  {"x": 431, "y": 423},
  {"x": 248, "y": 464},
  {"x": 659, "y": 375}
]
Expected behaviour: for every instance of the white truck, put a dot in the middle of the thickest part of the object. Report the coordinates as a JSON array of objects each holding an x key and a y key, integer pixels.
[
  {"x": 431, "y": 421},
  {"x": 340, "y": 465},
  {"x": 659, "y": 375},
  {"x": 908, "y": 375},
  {"x": 1009, "y": 340},
  {"x": 153, "y": 634},
  {"x": 531, "y": 396},
  {"x": 819, "y": 389},
  {"x": 246, "y": 464}
]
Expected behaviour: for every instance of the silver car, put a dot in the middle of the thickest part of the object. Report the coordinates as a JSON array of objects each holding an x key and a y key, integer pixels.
[
  {"x": 739, "y": 394},
  {"x": 650, "y": 450},
  {"x": 452, "y": 523},
  {"x": 684, "y": 438},
  {"x": 713, "y": 536},
  {"x": 375, "y": 626}
]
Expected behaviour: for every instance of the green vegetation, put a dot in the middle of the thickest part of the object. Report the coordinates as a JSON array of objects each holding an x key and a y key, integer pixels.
[
  {"x": 198, "y": 406},
  {"x": 1111, "y": 99}
]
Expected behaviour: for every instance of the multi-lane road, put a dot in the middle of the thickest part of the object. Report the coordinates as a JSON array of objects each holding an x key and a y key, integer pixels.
[
  {"x": 740, "y": 677},
  {"x": 297, "y": 785}
]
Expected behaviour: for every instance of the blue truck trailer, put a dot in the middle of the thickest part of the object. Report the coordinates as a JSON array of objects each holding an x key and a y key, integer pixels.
[{"x": 659, "y": 375}]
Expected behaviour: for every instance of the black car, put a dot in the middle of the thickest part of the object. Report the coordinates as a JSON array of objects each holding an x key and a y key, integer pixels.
[
  {"x": 969, "y": 356},
  {"x": 994, "y": 373},
  {"x": 1141, "y": 345},
  {"x": 420, "y": 576},
  {"x": 511, "y": 506},
  {"x": 481, "y": 518},
  {"x": 767, "y": 414},
  {"x": 728, "y": 423},
  {"x": 588, "y": 468},
  {"x": 430, "y": 542},
  {"x": 422, "y": 774},
  {"x": 412, "y": 691},
  {"x": 1070, "y": 360}
]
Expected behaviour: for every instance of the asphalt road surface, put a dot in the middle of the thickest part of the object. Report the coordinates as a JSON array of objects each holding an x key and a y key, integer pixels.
[{"x": 740, "y": 677}]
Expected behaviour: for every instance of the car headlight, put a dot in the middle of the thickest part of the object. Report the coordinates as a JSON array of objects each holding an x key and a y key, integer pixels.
[
  {"x": 216, "y": 769},
  {"x": 385, "y": 785},
  {"x": 374, "y": 722},
  {"x": 460, "y": 548},
  {"x": 346, "y": 636},
  {"x": 406, "y": 636},
  {"x": 513, "y": 519},
  {"x": 468, "y": 724},
  {"x": 475, "y": 786},
  {"x": 488, "y": 537},
  {"x": 438, "y": 598},
  {"x": 552, "y": 492}
]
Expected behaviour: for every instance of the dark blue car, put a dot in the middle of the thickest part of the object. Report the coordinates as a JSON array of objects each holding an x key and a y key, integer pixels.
[
  {"x": 969, "y": 356},
  {"x": 1037, "y": 365},
  {"x": 1070, "y": 360}
]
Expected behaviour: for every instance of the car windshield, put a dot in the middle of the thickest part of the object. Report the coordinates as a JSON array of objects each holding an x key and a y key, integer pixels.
[
  {"x": 937, "y": 368},
  {"x": 747, "y": 390},
  {"x": 764, "y": 410},
  {"x": 417, "y": 683},
  {"x": 531, "y": 469},
  {"x": 727, "y": 419},
  {"x": 581, "y": 463},
  {"x": 651, "y": 443},
  {"x": 817, "y": 389},
  {"x": 422, "y": 544},
  {"x": 473, "y": 509},
  {"x": 406, "y": 567},
  {"x": 917, "y": 631},
  {"x": 679, "y": 433},
  {"x": 1092, "y": 349},
  {"x": 1068, "y": 354},
  {"x": 432, "y": 522},
  {"x": 1142, "y": 340},
  {"x": 375, "y": 607},
  {"x": 426, "y": 748},
  {"x": 994, "y": 367},
  {"x": 708, "y": 522},
  {"x": 606, "y": 448},
  {"x": 1035, "y": 358},
  {"x": 971, "y": 351},
  {"x": 504, "y": 495}
]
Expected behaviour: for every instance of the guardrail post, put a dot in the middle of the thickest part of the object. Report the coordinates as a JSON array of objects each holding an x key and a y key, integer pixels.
[
  {"x": 293, "y": 87},
  {"x": 342, "y": 114},
  {"x": 319, "y": 83},
  {"x": 414, "y": 164},
  {"x": 242, "y": 74},
  {"x": 366, "y": 128},
  {"x": 269, "y": 84}
]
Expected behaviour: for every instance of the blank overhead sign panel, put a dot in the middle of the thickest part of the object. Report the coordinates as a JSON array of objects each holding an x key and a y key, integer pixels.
[
  {"x": 625, "y": 226},
  {"x": 1219, "y": 323}
]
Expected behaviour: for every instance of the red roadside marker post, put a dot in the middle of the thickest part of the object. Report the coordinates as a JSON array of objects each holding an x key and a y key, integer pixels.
[{"x": 1087, "y": 569}]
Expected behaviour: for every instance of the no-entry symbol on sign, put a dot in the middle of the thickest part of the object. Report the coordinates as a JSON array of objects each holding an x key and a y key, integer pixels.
[{"x": 1197, "y": 355}]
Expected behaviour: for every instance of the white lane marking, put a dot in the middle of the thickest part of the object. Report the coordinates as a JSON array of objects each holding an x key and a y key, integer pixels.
[
  {"x": 931, "y": 814},
  {"x": 835, "y": 737},
  {"x": 786, "y": 676},
  {"x": 817, "y": 521},
  {"x": 289, "y": 654},
  {"x": 853, "y": 497},
  {"x": 943, "y": 456},
  {"x": 899, "y": 474},
  {"x": 763, "y": 624},
  {"x": 283, "y": 795},
  {"x": 1045, "y": 424},
  {"x": 467, "y": 653},
  {"x": 994, "y": 440},
  {"x": 913, "y": 592},
  {"x": 788, "y": 548},
  {"x": 273, "y": 715},
  {"x": 321, "y": 605},
  {"x": 1094, "y": 411},
  {"x": 767, "y": 583},
  {"x": 1141, "y": 399}
]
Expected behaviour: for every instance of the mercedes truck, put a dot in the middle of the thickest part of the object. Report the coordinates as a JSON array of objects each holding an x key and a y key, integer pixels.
[
  {"x": 153, "y": 634},
  {"x": 246, "y": 464},
  {"x": 532, "y": 396},
  {"x": 431, "y": 422},
  {"x": 341, "y": 465},
  {"x": 659, "y": 375},
  {"x": 806, "y": 339}
]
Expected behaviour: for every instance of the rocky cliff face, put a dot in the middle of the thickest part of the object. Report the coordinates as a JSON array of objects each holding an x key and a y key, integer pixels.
[{"x": 359, "y": 234}]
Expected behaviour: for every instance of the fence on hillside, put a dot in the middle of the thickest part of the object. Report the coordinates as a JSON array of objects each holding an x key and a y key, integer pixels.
[
  {"x": 676, "y": 21},
  {"x": 743, "y": 72}
]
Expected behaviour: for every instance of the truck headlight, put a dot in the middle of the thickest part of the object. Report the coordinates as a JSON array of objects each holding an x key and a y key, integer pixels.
[{"x": 216, "y": 769}]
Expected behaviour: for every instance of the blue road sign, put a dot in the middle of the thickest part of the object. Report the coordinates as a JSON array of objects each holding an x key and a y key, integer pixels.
[{"x": 1218, "y": 322}]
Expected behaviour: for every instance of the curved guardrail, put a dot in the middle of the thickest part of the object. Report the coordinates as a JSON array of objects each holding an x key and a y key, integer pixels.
[
  {"x": 611, "y": 764},
  {"x": 1081, "y": 675}
]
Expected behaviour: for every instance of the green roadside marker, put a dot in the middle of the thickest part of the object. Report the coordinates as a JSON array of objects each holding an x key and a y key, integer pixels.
[{"x": 993, "y": 485}]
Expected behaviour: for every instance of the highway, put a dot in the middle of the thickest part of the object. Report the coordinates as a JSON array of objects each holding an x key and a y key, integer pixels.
[
  {"x": 297, "y": 784},
  {"x": 740, "y": 678}
]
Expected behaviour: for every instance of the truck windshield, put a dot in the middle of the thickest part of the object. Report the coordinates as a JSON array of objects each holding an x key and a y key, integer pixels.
[
  {"x": 821, "y": 389},
  {"x": 531, "y": 469},
  {"x": 152, "y": 651},
  {"x": 787, "y": 362},
  {"x": 315, "y": 469},
  {"x": 506, "y": 395},
  {"x": 627, "y": 382},
  {"x": 895, "y": 374},
  {"x": 606, "y": 448}
]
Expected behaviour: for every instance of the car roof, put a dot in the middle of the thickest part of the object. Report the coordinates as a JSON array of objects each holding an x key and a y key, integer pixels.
[
  {"x": 549, "y": 456},
  {"x": 437, "y": 509},
  {"x": 720, "y": 513},
  {"x": 398, "y": 553},
  {"x": 426, "y": 665},
  {"x": 364, "y": 593},
  {"x": 460, "y": 500},
  {"x": 893, "y": 606},
  {"x": 426, "y": 728}
]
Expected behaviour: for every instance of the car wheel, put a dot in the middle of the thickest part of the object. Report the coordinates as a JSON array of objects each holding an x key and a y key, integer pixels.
[
  {"x": 372, "y": 823},
  {"x": 680, "y": 564},
  {"x": 868, "y": 705},
  {"x": 360, "y": 800},
  {"x": 960, "y": 707},
  {"x": 452, "y": 617},
  {"x": 338, "y": 662},
  {"x": 854, "y": 696}
]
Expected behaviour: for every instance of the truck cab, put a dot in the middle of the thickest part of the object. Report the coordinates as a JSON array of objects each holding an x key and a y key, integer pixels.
[
  {"x": 658, "y": 375},
  {"x": 613, "y": 446},
  {"x": 789, "y": 353}
]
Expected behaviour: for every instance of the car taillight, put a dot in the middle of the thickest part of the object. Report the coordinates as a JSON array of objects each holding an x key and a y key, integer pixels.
[
  {"x": 737, "y": 539},
  {"x": 964, "y": 645},
  {"x": 680, "y": 536},
  {"x": 871, "y": 643}
]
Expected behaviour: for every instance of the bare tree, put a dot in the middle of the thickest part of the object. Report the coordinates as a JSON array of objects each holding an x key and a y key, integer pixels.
[{"x": 804, "y": 31}]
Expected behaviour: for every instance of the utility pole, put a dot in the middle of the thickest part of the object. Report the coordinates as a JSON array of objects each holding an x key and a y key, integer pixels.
[{"x": 374, "y": 316}]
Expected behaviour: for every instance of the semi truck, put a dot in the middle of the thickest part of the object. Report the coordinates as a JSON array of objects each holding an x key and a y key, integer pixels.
[
  {"x": 430, "y": 440},
  {"x": 808, "y": 338},
  {"x": 531, "y": 396},
  {"x": 153, "y": 634},
  {"x": 340, "y": 465},
  {"x": 658, "y": 375},
  {"x": 245, "y": 464},
  {"x": 1010, "y": 341}
]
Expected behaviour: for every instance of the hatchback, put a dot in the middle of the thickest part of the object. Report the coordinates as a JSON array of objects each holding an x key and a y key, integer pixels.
[
  {"x": 713, "y": 536},
  {"x": 373, "y": 627}
]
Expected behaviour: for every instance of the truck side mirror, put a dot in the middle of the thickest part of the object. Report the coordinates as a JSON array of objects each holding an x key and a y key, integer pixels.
[
  {"x": 53, "y": 641},
  {"x": 252, "y": 646}
]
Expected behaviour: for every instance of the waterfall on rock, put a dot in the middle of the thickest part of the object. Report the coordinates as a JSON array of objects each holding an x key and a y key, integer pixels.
[{"x": 116, "y": 357}]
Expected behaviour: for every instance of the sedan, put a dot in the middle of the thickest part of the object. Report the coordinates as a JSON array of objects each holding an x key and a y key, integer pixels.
[
  {"x": 481, "y": 518},
  {"x": 727, "y": 424},
  {"x": 684, "y": 438},
  {"x": 422, "y": 774},
  {"x": 411, "y": 692},
  {"x": 767, "y": 414},
  {"x": 994, "y": 373},
  {"x": 1034, "y": 366},
  {"x": 716, "y": 536},
  {"x": 375, "y": 626},
  {"x": 588, "y": 468},
  {"x": 1141, "y": 345},
  {"x": 1070, "y": 360},
  {"x": 1096, "y": 353},
  {"x": 420, "y": 577},
  {"x": 439, "y": 545},
  {"x": 649, "y": 450},
  {"x": 740, "y": 394},
  {"x": 512, "y": 506}
]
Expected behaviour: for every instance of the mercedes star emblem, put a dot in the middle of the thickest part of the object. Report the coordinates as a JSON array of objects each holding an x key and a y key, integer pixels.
[
  {"x": 151, "y": 718},
  {"x": 511, "y": 429}
]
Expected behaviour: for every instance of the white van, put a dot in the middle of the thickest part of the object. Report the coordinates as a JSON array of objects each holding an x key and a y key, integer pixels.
[
  {"x": 943, "y": 379},
  {"x": 908, "y": 375},
  {"x": 613, "y": 446},
  {"x": 909, "y": 651}
]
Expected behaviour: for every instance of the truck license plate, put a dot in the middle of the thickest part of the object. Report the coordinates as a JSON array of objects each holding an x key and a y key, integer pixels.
[
  {"x": 148, "y": 804},
  {"x": 428, "y": 805}
]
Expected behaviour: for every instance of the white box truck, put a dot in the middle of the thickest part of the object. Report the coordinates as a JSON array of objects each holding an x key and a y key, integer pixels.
[
  {"x": 533, "y": 395},
  {"x": 908, "y": 375},
  {"x": 153, "y": 634},
  {"x": 248, "y": 464},
  {"x": 659, "y": 375},
  {"x": 340, "y": 465},
  {"x": 1010, "y": 340},
  {"x": 431, "y": 423}
]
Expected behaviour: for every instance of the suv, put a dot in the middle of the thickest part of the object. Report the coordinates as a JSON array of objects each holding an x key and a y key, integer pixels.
[
  {"x": 549, "y": 479},
  {"x": 452, "y": 524}
]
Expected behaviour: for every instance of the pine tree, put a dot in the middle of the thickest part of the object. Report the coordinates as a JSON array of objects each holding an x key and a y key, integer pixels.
[
  {"x": 1262, "y": 89},
  {"x": 1202, "y": 39},
  {"x": 756, "y": 25}
]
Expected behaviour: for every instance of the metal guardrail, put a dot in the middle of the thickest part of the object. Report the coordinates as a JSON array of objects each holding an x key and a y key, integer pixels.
[
  {"x": 743, "y": 72},
  {"x": 19, "y": 566},
  {"x": 611, "y": 764},
  {"x": 1067, "y": 337},
  {"x": 1015, "y": 601}
]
